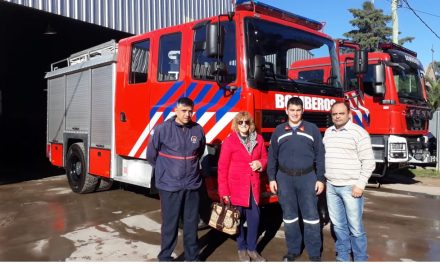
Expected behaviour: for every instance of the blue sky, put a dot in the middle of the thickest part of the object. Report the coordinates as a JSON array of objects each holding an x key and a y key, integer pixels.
[{"x": 336, "y": 16}]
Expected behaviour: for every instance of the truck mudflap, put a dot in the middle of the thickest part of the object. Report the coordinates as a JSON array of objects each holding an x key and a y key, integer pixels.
[{"x": 56, "y": 154}]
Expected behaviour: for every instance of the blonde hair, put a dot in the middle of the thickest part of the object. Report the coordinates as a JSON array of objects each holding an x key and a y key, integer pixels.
[{"x": 246, "y": 116}]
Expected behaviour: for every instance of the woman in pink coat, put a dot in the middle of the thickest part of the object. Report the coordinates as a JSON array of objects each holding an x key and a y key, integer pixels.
[{"x": 243, "y": 157}]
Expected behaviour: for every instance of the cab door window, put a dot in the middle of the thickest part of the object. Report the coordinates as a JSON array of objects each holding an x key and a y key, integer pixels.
[
  {"x": 202, "y": 65},
  {"x": 140, "y": 56},
  {"x": 169, "y": 57}
]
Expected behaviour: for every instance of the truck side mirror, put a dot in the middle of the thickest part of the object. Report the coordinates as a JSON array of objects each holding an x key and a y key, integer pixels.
[
  {"x": 259, "y": 62},
  {"x": 215, "y": 41},
  {"x": 379, "y": 79},
  {"x": 360, "y": 61}
]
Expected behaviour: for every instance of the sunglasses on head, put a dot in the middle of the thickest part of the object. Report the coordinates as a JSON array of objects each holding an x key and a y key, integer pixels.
[{"x": 241, "y": 122}]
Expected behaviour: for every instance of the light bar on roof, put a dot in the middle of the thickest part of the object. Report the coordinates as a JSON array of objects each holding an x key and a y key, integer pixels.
[
  {"x": 258, "y": 7},
  {"x": 391, "y": 45}
]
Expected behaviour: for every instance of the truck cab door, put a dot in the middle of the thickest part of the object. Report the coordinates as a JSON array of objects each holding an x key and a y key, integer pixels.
[{"x": 132, "y": 123}]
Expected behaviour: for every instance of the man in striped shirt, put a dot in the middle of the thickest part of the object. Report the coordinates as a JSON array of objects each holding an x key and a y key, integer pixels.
[{"x": 349, "y": 162}]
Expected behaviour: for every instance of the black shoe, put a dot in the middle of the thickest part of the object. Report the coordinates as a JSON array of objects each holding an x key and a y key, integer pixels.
[
  {"x": 315, "y": 259},
  {"x": 290, "y": 257},
  {"x": 202, "y": 225}
]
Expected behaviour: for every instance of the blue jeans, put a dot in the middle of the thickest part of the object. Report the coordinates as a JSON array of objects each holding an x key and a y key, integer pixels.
[{"x": 346, "y": 216}]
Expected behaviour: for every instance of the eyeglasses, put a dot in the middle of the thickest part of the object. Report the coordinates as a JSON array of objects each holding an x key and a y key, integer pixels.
[{"x": 241, "y": 122}]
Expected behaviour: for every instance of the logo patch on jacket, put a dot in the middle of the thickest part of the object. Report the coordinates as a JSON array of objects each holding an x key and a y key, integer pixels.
[
  {"x": 194, "y": 139},
  {"x": 301, "y": 128},
  {"x": 287, "y": 128}
]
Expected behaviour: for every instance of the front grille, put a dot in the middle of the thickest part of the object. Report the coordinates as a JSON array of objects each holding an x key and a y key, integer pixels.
[
  {"x": 322, "y": 120},
  {"x": 416, "y": 123},
  {"x": 272, "y": 118},
  {"x": 417, "y": 118},
  {"x": 266, "y": 136}
]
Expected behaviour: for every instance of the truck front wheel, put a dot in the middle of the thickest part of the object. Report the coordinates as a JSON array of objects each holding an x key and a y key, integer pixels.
[{"x": 76, "y": 169}]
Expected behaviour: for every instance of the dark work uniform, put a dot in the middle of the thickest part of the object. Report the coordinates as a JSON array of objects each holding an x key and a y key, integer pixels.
[
  {"x": 175, "y": 151},
  {"x": 292, "y": 155}
]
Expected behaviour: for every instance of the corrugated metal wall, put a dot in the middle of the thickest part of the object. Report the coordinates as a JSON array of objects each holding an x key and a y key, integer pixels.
[{"x": 132, "y": 16}]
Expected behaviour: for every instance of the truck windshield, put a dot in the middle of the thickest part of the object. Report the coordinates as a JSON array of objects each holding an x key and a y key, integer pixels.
[
  {"x": 408, "y": 84},
  {"x": 281, "y": 46}
]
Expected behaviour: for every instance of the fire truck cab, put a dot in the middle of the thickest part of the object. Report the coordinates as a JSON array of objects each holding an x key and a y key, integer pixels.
[
  {"x": 104, "y": 102},
  {"x": 388, "y": 100}
]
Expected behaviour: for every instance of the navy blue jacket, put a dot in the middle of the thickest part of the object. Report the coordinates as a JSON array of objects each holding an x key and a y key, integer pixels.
[
  {"x": 299, "y": 149},
  {"x": 175, "y": 151}
]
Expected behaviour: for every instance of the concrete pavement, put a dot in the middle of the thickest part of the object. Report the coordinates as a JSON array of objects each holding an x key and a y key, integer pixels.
[{"x": 398, "y": 183}]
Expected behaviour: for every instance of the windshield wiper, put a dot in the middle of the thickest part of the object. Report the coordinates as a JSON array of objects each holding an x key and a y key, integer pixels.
[
  {"x": 407, "y": 99},
  {"x": 287, "y": 83}
]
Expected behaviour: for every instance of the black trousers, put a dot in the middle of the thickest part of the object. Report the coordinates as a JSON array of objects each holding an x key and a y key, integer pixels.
[{"x": 173, "y": 204}]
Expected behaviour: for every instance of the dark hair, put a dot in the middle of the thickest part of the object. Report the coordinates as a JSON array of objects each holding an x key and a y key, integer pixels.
[
  {"x": 342, "y": 103},
  {"x": 185, "y": 101},
  {"x": 295, "y": 101}
]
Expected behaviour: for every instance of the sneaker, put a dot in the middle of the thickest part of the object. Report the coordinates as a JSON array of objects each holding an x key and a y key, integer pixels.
[
  {"x": 315, "y": 259},
  {"x": 290, "y": 257},
  {"x": 243, "y": 255},
  {"x": 255, "y": 257}
]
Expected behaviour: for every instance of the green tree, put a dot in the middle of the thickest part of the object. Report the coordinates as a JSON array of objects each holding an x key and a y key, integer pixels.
[
  {"x": 372, "y": 29},
  {"x": 433, "y": 93},
  {"x": 405, "y": 39}
]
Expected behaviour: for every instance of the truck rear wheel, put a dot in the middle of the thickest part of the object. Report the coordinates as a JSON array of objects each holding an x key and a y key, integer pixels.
[{"x": 76, "y": 169}]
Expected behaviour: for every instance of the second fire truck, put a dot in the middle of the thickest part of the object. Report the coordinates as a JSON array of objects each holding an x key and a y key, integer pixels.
[{"x": 388, "y": 100}]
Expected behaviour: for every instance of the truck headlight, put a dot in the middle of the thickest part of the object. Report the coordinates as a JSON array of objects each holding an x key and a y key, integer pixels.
[
  {"x": 398, "y": 150},
  {"x": 398, "y": 147}
]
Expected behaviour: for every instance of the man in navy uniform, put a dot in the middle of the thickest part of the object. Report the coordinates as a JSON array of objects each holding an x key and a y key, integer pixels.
[
  {"x": 296, "y": 173},
  {"x": 174, "y": 150}
]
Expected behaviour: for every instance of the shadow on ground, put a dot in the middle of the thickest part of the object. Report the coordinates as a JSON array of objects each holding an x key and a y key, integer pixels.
[
  {"x": 271, "y": 219},
  {"x": 26, "y": 171},
  {"x": 401, "y": 176}
]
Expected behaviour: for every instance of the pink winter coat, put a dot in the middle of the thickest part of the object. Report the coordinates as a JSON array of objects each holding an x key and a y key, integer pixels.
[{"x": 235, "y": 176}]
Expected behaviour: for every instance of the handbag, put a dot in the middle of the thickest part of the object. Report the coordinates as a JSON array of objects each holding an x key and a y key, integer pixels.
[{"x": 225, "y": 218}]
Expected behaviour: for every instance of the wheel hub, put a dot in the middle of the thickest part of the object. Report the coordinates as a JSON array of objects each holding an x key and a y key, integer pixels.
[{"x": 78, "y": 168}]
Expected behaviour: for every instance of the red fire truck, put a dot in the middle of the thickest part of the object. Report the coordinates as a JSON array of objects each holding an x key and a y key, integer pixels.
[
  {"x": 103, "y": 102},
  {"x": 388, "y": 100}
]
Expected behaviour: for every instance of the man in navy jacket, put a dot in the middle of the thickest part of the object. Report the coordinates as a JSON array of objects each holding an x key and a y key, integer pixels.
[
  {"x": 296, "y": 173},
  {"x": 174, "y": 150}
]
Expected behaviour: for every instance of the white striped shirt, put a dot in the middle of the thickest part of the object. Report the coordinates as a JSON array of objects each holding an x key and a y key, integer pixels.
[{"x": 349, "y": 158}]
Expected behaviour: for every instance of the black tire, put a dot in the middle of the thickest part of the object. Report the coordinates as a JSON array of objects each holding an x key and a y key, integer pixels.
[
  {"x": 76, "y": 169},
  {"x": 104, "y": 184}
]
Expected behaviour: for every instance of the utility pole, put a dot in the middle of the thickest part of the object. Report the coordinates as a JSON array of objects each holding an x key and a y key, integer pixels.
[
  {"x": 394, "y": 4},
  {"x": 433, "y": 66}
]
